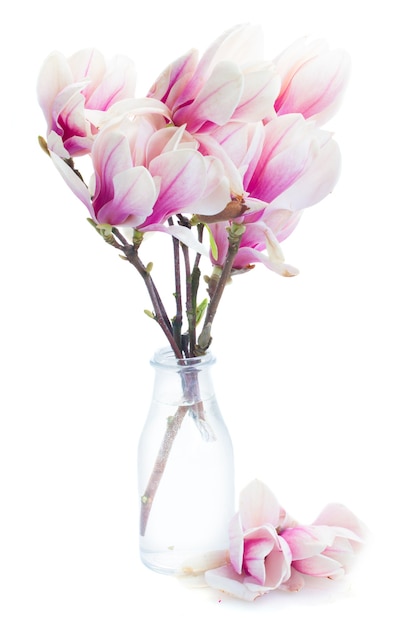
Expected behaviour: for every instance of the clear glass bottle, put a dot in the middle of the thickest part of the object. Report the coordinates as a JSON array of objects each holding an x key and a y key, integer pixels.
[{"x": 185, "y": 466}]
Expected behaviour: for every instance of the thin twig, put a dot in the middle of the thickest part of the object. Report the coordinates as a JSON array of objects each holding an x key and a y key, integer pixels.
[
  {"x": 177, "y": 321},
  {"x": 114, "y": 237},
  {"x": 235, "y": 232}
]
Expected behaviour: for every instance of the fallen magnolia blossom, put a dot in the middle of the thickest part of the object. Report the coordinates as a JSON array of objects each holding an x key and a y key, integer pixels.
[{"x": 268, "y": 550}]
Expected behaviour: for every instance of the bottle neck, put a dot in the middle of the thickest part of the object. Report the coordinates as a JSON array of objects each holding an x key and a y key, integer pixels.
[
  {"x": 165, "y": 358},
  {"x": 185, "y": 381}
]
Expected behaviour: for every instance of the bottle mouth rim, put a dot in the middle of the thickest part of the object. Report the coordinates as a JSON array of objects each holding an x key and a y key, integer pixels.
[{"x": 165, "y": 357}]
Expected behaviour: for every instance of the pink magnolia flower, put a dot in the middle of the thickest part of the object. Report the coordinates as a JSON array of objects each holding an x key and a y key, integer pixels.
[
  {"x": 327, "y": 548},
  {"x": 278, "y": 169},
  {"x": 313, "y": 79},
  {"x": 144, "y": 174},
  {"x": 292, "y": 149},
  {"x": 259, "y": 559},
  {"x": 287, "y": 163},
  {"x": 68, "y": 87},
  {"x": 230, "y": 82},
  {"x": 260, "y": 243}
]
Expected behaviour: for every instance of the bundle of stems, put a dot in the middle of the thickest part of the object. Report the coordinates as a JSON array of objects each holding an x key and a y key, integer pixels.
[
  {"x": 187, "y": 344},
  {"x": 183, "y": 344}
]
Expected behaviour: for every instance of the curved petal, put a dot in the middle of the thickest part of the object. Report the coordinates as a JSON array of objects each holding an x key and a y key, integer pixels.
[
  {"x": 316, "y": 182},
  {"x": 181, "y": 233},
  {"x": 307, "y": 541},
  {"x": 118, "y": 83},
  {"x": 277, "y": 566},
  {"x": 55, "y": 145},
  {"x": 289, "y": 148},
  {"x": 73, "y": 181},
  {"x": 319, "y": 565},
  {"x": 217, "y": 191},
  {"x": 247, "y": 256},
  {"x": 258, "y": 506},
  {"x": 227, "y": 580},
  {"x": 217, "y": 99},
  {"x": 128, "y": 107},
  {"x": 168, "y": 139},
  {"x": 54, "y": 76},
  {"x": 70, "y": 122},
  {"x": 295, "y": 582},
  {"x": 210, "y": 146},
  {"x": 134, "y": 196},
  {"x": 111, "y": 155},
  {"x": 182, "y": 176},
  {"x": 257, "y": 549},
  {"x": 171, "y": 82},
  {"x": 242, "y": 44},
  {"x": 261, "y": 88},
  {"x": 335, "y": 514},
  {"x": 88, "y": 63},
  {"x": 236, "y": 536},
  {"x": 317, "y": 86},
  {"x": 297, "y": 53}
]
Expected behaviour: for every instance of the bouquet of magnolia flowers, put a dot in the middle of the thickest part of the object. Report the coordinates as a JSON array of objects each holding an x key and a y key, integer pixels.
[{"x": 222, "y": 155}]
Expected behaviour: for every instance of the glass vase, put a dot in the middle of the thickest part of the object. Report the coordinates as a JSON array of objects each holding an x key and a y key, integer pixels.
[{"x": 185, "y": 466}]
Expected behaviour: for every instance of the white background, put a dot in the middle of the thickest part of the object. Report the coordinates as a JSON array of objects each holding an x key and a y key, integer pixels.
[{"x": 308, "y": 368}]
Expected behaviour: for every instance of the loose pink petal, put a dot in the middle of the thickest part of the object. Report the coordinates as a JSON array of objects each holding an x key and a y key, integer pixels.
[
  {"x": 225, "y": 579},
  {"x": 200, "y": 563}
]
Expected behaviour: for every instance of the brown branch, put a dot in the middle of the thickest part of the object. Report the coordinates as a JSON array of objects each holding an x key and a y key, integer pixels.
[{"x": 235, "y": 232}]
